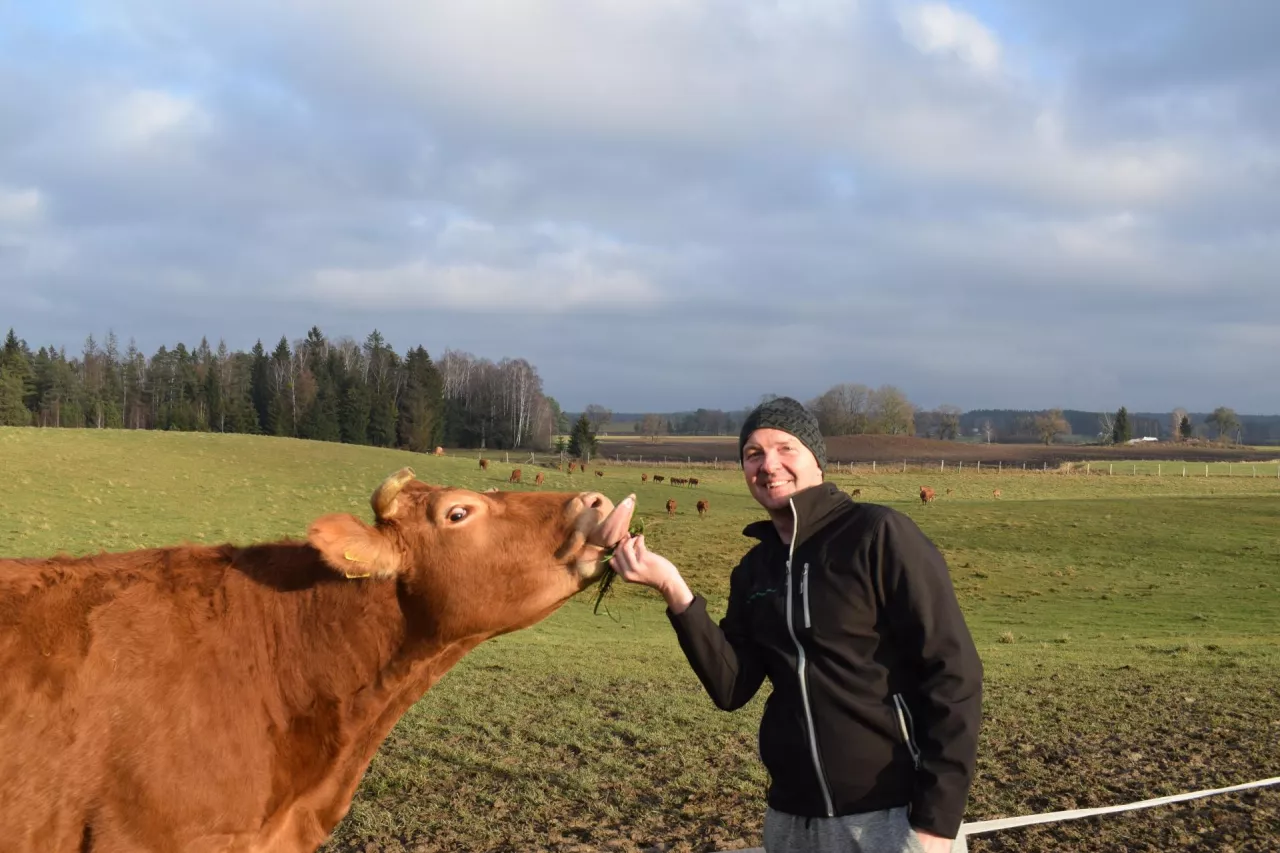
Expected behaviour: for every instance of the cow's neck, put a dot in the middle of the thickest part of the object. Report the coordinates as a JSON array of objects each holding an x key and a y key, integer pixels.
[{"x": 358, "y": 660}]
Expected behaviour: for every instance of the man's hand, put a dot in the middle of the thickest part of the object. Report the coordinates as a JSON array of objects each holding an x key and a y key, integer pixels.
[
  {"x": 635, "y": 563},
  {"x": 934, "y": 843}
]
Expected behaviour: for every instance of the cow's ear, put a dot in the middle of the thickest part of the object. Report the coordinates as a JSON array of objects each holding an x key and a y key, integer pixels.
[{"x": 354, "y": 548}]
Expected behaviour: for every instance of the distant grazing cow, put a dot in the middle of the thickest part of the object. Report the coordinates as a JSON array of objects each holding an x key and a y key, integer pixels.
[
  {"x": 857, "y": 493},
  {"x": 439, "y": 451},
  {"x": 644, "y": 478},
  {"x": 703, "y": 506},
  {"x": 230, "y": 698},
  {"x": 484, "y": 464},
  {"x": 599, "y": 473},
  {"x": 538, "y": 480},
  {"x": 995, "y": 493},
  {"x": 926, "y": 494},
  {"x": 573, "y": 467},
  {"x": 693, "y": 481},
  {"x": 671, "y": 506},
  {"x": 515, "y": 476},
  {"x": 658, "y": 478}
]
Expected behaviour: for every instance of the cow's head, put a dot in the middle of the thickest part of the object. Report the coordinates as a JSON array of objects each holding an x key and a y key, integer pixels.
[{"x": 479, "y": 563}]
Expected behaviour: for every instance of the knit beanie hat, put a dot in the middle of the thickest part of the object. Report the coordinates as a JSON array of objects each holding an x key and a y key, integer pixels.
[{"x": 789, "y": 416}]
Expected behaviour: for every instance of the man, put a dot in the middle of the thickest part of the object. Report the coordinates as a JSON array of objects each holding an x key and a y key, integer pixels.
[{"x": 870, "y": 734}]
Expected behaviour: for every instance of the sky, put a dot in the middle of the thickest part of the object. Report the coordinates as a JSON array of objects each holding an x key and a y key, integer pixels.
[{"x": 666, "y": 204}]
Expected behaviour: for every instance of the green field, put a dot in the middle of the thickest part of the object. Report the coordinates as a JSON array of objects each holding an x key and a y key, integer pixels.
[{"x": 1129, "y": 625}]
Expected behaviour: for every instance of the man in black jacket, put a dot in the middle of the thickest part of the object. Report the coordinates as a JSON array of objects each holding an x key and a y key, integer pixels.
[{"x": 870, "y": 734}]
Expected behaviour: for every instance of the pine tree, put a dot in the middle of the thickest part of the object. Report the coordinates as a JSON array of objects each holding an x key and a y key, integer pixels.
[
  {"x": 13, "y": 412},
  {"x": 1184, "y": 428},
  {"x": 582, "y": 441},
  {"x": 260, "y": 387},
  {"x": 1121, "y": 430}
]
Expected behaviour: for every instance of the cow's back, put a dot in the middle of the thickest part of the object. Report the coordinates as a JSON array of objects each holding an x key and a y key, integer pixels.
[{"x": 154, "y": 683}]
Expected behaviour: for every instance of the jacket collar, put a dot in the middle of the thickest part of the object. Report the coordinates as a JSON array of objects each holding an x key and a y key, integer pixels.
[{"x": 815, "y": 507}]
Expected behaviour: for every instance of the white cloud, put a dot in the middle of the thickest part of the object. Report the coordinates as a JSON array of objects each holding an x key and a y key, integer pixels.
[
  {"x": 939, "y": 28},
  {"x": 21, "y": 207},
  {"x": 140, "y": 118}
]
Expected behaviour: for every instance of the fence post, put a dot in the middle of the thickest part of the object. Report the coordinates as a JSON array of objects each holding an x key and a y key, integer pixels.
[
  {"x": 1230, "y": 466},
  {"x": 1087, "y": 465},
  {"x": 1255, "y": 472},
  {"x": 942, "y": 466},
  {"x": 1159, "y": 470},
  {"x": 979, "y": 466},
  {"x": 904, "y": 466},
  {"x": 873, "y": 467},
  {"x": 961, "y": 466},
  {"x": 1111, "y": 468},
  {"x": 1206, "y": 469},
  {"x": 1184, "y": 470},
  {"x": 1135, "y": 469}
]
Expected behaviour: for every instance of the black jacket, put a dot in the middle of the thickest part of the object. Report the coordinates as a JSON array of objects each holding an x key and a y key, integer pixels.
[{"x": 877, "y": 686}]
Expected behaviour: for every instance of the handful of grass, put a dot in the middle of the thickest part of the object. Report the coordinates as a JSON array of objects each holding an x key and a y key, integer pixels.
[{"x": 606, "y": 581}]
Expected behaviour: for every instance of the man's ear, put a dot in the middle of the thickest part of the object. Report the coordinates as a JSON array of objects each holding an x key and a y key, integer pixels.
[{"x": 354, "y": 548}]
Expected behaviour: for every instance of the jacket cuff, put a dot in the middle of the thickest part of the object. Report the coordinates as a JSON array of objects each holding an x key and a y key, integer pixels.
[
  {"x": 696, "y": 611},
  {"x": 941, "y": 822}
]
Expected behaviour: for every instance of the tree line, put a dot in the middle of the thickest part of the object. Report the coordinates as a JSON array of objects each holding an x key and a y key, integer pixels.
[{"x": 315, "y": 388}]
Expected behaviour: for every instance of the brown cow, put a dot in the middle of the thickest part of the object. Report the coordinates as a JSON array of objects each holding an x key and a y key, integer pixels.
[
  {"x": 693, "y": 481},
  {"x": 439, "y": 451},
  {"x": 227, "y": 698},
  {"x": 573, "y": 466},
  {"x": 644, "y": 478},
  {"x": 484, "y": 464},
  {"x": 995, "y": 493},
  {"x": 703, "y": 506},
  {"x": 658, "y": 478},
  {"x": 599, "y": 473},
  {"x": 671, "y": 506},
  {"x": 515, "y": 476},
  {"x": 926, "y": 494},
  {"x": 857, "y": 493},
  {"x": 539, "y": 480}
]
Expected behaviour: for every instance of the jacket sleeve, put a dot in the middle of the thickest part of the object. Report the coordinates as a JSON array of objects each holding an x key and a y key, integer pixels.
[
  {"x": 723, "y": 656},
  {"x": 945, "y": 699}
]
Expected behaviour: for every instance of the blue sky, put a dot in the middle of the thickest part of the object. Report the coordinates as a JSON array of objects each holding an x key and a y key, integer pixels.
[{"x": 667, "y": 204}]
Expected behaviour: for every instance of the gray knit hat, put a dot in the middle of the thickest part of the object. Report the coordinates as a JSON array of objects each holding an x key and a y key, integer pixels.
[{"x": 790, "y": 416}]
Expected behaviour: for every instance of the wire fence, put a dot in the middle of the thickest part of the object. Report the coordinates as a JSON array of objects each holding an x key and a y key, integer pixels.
[{"x": 1165, "y": 468}]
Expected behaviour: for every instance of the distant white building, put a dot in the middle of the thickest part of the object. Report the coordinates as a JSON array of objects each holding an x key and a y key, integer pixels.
[{"x": 1140, "y": 440}]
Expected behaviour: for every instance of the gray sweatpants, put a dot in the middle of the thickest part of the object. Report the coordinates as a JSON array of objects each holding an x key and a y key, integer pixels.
[{"x": 871, "y": 832}]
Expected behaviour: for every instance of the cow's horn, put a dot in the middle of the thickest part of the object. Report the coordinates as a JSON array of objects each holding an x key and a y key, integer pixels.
[{"x": 385, "y": 494}]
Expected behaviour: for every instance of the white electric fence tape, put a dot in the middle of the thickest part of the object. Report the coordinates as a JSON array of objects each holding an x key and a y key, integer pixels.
[
  {"x": 1072, "y": 814},
  {"x": 981, "y": 826}
]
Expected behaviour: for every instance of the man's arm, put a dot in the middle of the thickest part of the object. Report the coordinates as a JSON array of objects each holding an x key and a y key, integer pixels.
[
  {"x": 722, "y": 656},
  {"x": 931, "y": 634}
]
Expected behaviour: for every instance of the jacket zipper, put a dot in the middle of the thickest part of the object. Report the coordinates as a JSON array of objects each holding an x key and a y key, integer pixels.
[
  {"x": 907, "y": 726},
  {"x": 804, "y": 595},
  {"x": 800, "y": 668}
]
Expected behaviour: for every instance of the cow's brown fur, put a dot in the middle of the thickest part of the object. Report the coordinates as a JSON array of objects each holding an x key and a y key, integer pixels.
[
  {"x": 703, "y": 506},
  {"x": 225, "y": 698},
  {"x": 926, "y": 494},
  {"x": 671, "y": 506}
]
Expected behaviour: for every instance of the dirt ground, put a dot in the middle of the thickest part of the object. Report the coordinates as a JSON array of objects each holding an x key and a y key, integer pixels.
[{"x": 886, "y": 448}]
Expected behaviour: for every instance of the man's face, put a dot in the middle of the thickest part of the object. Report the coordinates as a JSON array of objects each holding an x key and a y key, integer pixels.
[{"x": 777, "y": 465}]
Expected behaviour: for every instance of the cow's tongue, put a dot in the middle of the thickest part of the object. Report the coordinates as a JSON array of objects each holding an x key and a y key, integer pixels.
[{"x": 615, "y": 525}]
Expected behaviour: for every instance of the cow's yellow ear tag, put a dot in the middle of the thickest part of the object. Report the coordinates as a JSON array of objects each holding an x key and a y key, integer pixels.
[{"x": 352, "y": 559}]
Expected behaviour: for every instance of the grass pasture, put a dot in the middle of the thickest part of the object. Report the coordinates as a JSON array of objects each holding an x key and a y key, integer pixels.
[{"x": 1129, "y": 626}]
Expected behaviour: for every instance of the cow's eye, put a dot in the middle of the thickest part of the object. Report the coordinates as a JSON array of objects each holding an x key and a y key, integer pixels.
[{"x": 457, "y": 513}]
